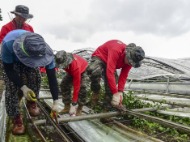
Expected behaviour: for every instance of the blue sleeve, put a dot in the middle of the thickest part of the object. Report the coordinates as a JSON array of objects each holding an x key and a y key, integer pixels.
[
  {"x": 51, "y": 65},
  {"x": 7, "y": 52}
]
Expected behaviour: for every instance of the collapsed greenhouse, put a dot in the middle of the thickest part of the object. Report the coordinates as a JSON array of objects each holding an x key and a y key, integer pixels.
[{"x": 157, "y": 96}]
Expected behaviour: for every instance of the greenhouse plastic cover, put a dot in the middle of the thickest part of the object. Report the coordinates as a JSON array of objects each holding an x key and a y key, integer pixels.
[
  {"x": 2, "y": 118},
  {"x": 152, "y": 66}
]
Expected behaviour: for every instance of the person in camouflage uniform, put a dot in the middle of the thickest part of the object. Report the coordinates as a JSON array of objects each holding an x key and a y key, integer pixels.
[
  {"x": 108, "y": 57},
  {"x": 76, "y": 76}
]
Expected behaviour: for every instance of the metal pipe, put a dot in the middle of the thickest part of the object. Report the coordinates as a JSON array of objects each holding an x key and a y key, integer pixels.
[
  {"x": 82, "y": 117},
  {"x": 165, "y": 101},
  {"x": 167, "y": 123},
  {"x": 162, "y": 94},
  {"x": 30, "y": 118},
  {"x": 63, "y": 135},
  {"x": 95, "y": 116},
  {"x": 179, "y": 88}
]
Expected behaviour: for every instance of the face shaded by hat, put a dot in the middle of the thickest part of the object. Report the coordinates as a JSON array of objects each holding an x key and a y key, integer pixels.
[
  {"x": 63, "y": 59},
  {"x": 22, "y": 11},
  {"x": 32, "y": 50},
  {"x": 135, "y": 54}
]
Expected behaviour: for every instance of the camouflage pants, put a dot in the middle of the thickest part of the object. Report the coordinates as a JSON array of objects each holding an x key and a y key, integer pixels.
[
  {"x": 96, "y": 71},
  {"x": 30, "y": 77},
  {"x": 66, "y": 87}
]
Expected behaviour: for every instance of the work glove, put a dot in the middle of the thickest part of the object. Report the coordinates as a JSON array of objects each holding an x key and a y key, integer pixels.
[
  {"x": 117, "y": 99},
  {"x": 73, "y": 109},
  {"x": 55, "y": 106},
  {"x": 54, "y": 111},
  {"x": 28, "y": 93}
]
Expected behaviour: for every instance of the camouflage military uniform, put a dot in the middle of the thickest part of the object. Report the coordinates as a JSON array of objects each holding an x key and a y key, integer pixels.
[
  {"x": 66, "y": 86},
  {"x": 96, "y": 71},
  {"x": 30, "y": 77}
]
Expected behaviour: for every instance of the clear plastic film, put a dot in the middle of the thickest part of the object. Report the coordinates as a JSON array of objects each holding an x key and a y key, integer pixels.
[{"x": 3, "y": 116}]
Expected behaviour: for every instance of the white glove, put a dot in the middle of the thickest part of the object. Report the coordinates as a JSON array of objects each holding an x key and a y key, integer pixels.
[
  {"x": 117, "y": 99},
  {"x": 73, "y": 109},
  {"x": 28, "y": 93},
  {"x": 55, "y": 106}
]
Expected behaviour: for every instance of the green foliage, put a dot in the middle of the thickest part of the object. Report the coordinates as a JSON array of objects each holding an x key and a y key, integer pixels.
[
  {"x": 44, "y": 78},
  {"x": 133, "y": 102},
  {"x": 152, "y": 128},
  {"x": 44, "y": 81}
]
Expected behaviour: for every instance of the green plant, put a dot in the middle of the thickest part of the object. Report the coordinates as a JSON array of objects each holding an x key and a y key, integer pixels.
[{"x": 132, "y": 102}]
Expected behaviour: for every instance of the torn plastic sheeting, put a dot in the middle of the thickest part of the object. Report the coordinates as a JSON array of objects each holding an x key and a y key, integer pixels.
[
  {"x": 90, "y": 131},
  {"x": 3, "y": 116},
  {"x": 181, "y": 112},
  {"x": 178, "y": 87},
  {"x": 97, "y": 132},
  {"x": 167, "y": 98}
]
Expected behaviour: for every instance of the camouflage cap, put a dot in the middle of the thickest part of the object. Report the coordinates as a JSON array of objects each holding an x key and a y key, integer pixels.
[
  {"x": 135, "y": 55},
  {"x": 131, "y": 45},
  {"x": 63, "y": 59}
]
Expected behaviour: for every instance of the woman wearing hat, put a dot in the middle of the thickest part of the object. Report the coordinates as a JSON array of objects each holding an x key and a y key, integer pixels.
[
  {"x": 108, "y": 57},
  {"x": 22, "y": 53},
  {"x": 21, "y": 15}
]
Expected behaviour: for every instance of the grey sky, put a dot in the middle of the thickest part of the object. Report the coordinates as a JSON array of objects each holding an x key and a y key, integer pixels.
[
  {"x": 159, "y": 26},
  {"x": 163, "y": 18}
]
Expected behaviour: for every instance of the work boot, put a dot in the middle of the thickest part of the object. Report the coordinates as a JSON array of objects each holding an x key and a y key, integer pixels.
[
  {"x": 18, "y": 127},
  {"x": 66, "y": 108},
  {"x": 33, "y": 109},
  {"x": 108, "y": 107},
  {"x": 94, "y": 100},
  {"x": 79, "y": 110}
]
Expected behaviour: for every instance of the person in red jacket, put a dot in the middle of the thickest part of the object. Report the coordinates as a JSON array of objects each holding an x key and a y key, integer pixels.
[
  {"x": 112, "y": 55},
  {"x": 19, "y": 22},
  {"x": 21, "y": 15},
  {"x": 76, "y": 76}
]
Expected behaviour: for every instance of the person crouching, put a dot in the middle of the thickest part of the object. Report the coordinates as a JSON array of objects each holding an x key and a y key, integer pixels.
[{"x": 76, "y": 76}]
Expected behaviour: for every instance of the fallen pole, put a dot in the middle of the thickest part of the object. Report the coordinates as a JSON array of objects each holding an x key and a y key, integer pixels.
[
  {"x": 63, "y": 135},
  {"x": 164, "y": 122},
  {"x": 82, "y": 117},
  {"x": 165, "y": 101},
  {"x": 36, "y": 128},
  {"x": 179, "y": 87},
  {"x": 95, "y": 116}
]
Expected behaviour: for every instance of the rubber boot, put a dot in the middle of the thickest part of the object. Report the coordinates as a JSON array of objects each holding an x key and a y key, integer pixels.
[
  {"x": 66, "y": 109},
  {"x": 94, "y": 100},
  {"x": 79, "y": 110},
  {"x": 33, "y": 109},
  {"x": 18, "y": 126}
]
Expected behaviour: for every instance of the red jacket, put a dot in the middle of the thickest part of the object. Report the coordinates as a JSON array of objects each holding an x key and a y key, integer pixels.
[
  {"x": 12, "y": 26},
  {"x": 75, "y": 69},
  {"x": 113, "y": 54}
]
